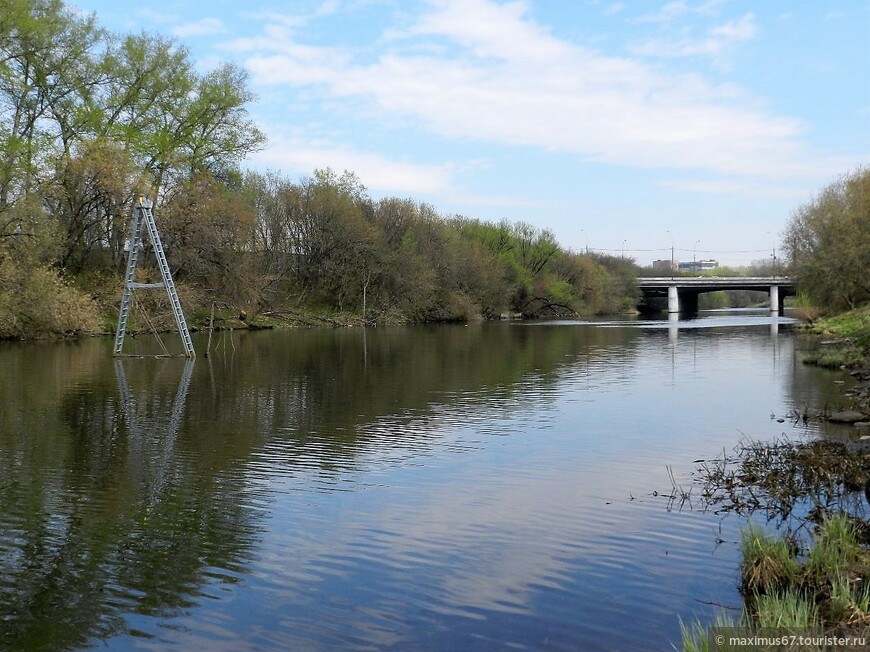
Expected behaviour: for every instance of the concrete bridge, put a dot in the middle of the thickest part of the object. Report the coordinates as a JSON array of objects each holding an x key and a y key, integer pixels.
[{"x": 682, "y": 292}]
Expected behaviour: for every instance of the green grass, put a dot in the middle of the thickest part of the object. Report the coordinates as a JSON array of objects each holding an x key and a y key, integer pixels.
[
  {"x": 827, "y": 589},
  {"x": 768, "y": 562},
  {"x": 851, "y": 334},
  {"x": 850, "y": 599},
  {"x": 835, "y": 356},
  {"x": 791, "y": 609},
  {"x": 852, "y": 326},
  {"x": 695, "y": 637},
  {"x": 835, "y": 550}
]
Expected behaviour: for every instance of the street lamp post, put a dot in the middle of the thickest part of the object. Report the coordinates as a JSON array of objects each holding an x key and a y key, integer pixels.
[
  {"x": 774, "y": 261},
  {"x": 694, "y": 258},
  {"x": 585, "y": 239},
  {"x": 623, "y": 247},
  {"x": 672, "y": 253}
]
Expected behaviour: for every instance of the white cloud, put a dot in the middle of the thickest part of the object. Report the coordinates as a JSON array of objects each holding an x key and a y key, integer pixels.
[
  {"x": 158, "y": 17},
  {"x": 328, "y": 7},
  {"x": 715, "y": 43},
  {"x": 742, "y": 29},
  {"x": 201, "y": 27},
  {"x": 501, "y": 78},
  {"x": 730, "y": 186},
  {"x": 375, "y": 171},
  {"x": 679, "y": 9},
  {"x": 614, "y": 8}
]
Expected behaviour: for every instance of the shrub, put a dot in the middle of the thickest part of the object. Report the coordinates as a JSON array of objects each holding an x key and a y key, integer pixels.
[{"x": 37, "y": 302}]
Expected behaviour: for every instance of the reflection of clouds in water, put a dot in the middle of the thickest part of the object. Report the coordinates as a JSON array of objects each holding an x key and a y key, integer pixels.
[
  {"x": 512, "y": 536},
  {"x": 492, "y": 526},
  {"x": 384, "y": 507},
  {"x": 503, "y": 523},
  {"x": 444, "y": 550},
  {"x": 492, "y": 547}
]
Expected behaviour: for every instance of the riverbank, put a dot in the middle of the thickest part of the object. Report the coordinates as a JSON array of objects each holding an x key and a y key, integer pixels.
[
  {"x": 815, "y": 576},
  {"x": 843, "y": 342},
  {"x": 96, "y": 313}
]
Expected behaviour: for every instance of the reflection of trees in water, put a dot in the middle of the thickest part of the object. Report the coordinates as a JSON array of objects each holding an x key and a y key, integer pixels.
[
  {"x": 815, "y": 389},
  {"x": 121, "y": 492},
  {"x": 791, "y": 485},
  {"x": 326, "y": 387},
  {"x": 104, "y": 519}
]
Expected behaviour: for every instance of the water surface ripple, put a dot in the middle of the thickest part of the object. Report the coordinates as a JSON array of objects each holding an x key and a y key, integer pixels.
[{"x": 471, "y": 487}]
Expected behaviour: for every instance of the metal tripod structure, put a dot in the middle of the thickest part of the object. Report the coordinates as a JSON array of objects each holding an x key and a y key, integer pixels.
[
  {"x": 152, "y": 443},
  {"x": 144, "y": 219}
]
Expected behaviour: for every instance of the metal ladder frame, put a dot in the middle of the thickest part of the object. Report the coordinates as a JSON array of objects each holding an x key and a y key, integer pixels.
[
  {"x": 144, "y": 216},
  {"x": 152, "y": 433}
]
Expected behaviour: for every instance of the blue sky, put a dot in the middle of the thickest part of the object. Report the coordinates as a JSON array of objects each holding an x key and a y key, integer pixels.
[{"x": 635, "y": 126}]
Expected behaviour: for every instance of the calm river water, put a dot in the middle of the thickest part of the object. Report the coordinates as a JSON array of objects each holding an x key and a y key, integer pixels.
[{"x": 476, "y": 487}]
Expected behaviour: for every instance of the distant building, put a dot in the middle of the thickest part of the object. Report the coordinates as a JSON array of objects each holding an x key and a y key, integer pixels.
[
  {"x": 666, "y": 265},
  {"x": 698, "y": 265}
]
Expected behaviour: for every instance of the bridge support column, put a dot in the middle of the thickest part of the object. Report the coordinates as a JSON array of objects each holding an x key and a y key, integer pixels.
[
  {"x": 774, "y": 300},
  {"x": 673, "y": 299}
]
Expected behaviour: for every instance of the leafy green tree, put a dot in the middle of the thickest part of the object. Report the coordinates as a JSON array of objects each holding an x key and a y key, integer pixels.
[
  {"x": 587, "y": 280},
  {"x": 45, "y": 61},
  {"x": 827, "y": 243},
  {"x": 89, "y": 200},
  {"x": 174, "y": 121},
  {"x": 207, "y": 231}
]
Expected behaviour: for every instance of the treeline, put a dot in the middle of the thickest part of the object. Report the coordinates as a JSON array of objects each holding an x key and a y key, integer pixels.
[
  {"x": 269, "y": 243},
  {"x": 827, "y": 244},
  {"x": 90, "y": 121}
]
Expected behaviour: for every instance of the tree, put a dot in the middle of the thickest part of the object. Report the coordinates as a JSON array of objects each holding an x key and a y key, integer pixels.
[
  {"x": 827, "y": 243},
  {"x": 173, "y": 121},
  {"x": 536, "y": 248},
  {"x": 207, "y": 229},
  {"x": 90, "y": 201},
  {"x": 45, "y": 63},
  {"x": 322, "y": 227},
  {"x": 75, "y": 101},
  {"x": 272, "y": 236},
  {"x": 587, "y": 279}
]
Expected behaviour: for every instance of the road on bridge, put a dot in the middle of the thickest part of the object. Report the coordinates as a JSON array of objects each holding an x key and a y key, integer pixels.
[{"x": 682, "y": 291}]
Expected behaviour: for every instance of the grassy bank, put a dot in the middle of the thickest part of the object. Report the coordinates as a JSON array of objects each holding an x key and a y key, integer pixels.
[
  {"x": 816, "y": 574},
  {"x": 842, "y": 340},
  {"x": 825, "y": 589},
  {"x": 822, "y": 582}
]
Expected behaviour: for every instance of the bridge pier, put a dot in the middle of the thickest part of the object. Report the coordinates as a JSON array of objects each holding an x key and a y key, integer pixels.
[
  {"x": 673, "y": 299},
  {"x": 681, "y": 301},
  {"x": 682, "y": 292},
  {"x": 775, "y": 304}
]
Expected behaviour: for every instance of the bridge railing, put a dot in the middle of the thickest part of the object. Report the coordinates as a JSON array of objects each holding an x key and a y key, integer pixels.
[{"x": 683, "y": 291}]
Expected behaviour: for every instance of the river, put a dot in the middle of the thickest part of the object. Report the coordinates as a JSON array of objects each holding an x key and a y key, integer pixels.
[{"x": 479, "y": 487}]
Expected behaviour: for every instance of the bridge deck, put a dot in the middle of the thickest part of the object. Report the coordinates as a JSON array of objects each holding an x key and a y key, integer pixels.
[
  {"x": 714, "y": 283},
  {"x": 682, "y": 291}
]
